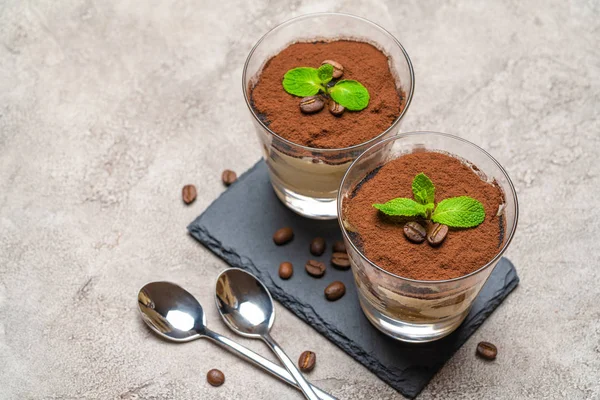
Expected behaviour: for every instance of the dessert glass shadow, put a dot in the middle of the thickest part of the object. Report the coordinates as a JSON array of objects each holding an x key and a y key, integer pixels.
[
  {"x": 306, "y": 179},
  {"x": 408, "y": 309}
]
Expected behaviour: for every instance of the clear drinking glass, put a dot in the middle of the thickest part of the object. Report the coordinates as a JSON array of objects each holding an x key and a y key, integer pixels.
[
  {"x": 307, "y": 179},
  {"x": 407, "y": 309}
]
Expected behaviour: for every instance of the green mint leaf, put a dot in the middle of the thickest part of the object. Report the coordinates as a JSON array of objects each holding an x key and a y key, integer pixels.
[
  {"x": 350, "y": 94},
  {"x": 325, "y": 73},
  {"x": 429, "y": 209},
  {"x": 423, "y": 189},
  {"x": 402, "y": 207},
  {"x": 302, "y": 82},
  {"x": 459, "y": 212}
]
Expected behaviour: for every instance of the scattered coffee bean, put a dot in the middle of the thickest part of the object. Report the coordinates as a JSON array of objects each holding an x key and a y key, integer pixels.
[
  {"x": 487, "y": 350},
  {"x": 215, "y": 377},
  {"x": 307, "y": 361},
  {"x": 436, "y": 233},
  {"x": 317, "y": 246},
  {"x": 228, "y": 177},
  {"x": 312, "y": 104},
  {"x": 339, "y": 246},
  {"x": 286, "y": 269},
  {"x": 283, "y": 235},
  {"x": 188, "y": 193},
  {"x": 335, "y": 108},
  {"x": 335, "y": 291},
  {"x": 338, "y": 69},
  {"x": 415, "y": 232},
  {"x": 340, "y": 260},
  {"x": 315, "y": 268}
]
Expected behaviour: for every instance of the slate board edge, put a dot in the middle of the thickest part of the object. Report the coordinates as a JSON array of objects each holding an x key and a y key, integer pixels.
[{"x": 307, "y": 314}]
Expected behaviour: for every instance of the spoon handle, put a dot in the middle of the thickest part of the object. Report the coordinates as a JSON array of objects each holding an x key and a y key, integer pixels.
[
  {"x": 289, "y": 365},
  {"x": 261, "y": 362}
]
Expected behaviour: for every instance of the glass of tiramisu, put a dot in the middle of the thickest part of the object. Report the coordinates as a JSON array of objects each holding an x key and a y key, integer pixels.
[
  {"x": 425, "y": 217},
  {"x": 321, "y": 89}
]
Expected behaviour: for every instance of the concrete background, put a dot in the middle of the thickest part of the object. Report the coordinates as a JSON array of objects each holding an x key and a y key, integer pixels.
[{"x": 107, "y": 108}]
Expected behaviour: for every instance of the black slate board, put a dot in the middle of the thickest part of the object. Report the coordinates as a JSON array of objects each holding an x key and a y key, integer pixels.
[{"x": 239, "y": 226}]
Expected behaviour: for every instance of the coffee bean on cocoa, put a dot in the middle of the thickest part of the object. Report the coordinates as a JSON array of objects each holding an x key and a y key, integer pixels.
[
  {"x": 315, "y": 268},
  {"x": 188, "y": 194},
  {"x": 307, "y": 361},
  {"x": 283, "y": 235},
  {"x": 340, "y": 260},
  {"x": 286, "y": 270},
  {"x": 338, "y": 69},
  {"x": 312, "y": 104},
  {"x": 228, "y": 177},
  {"x": 415, "y": 232},
  {"x": 215, "y": 377},
  {"x": 335, "y": 108},
  {"x": 487, "y": 350},
  {"x": 436, "y": 233},
  {"x": 335, "y": 291},
  {"x": 339, "y": 246},
  {"x": 317, "y": 246}
]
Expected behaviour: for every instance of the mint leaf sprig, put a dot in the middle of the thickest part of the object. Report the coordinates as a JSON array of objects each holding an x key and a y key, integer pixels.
[
  {"x": 455, "y": 212},
  {"x": 308, "y": 81}
]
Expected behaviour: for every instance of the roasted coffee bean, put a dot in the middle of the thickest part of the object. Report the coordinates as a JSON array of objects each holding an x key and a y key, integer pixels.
[
  {"x": 415, "y": 232},
  {"x": 283, "y": 235},
  {"x": 339, "y": 246},
  {"x": 228, "y": 177},
  {"x": 188, "y": 193},
  {"x": 215, "y": 377},
  {"x": 436, "y": 233},
  {"x": 286, "y": 269},
  {"x": 487, "y": 350},
  {"x": 312, "y": 104},
  {"x": 315, "y": 268},
  {"x": 317, "y": 246},
  {"x": 307, "y": 361},
  {"x": 335, "y": 291},
  {"x": 338, "y": 69},
  {"x": 340, "y": 260},
  {"x": 335, "y": 108}
]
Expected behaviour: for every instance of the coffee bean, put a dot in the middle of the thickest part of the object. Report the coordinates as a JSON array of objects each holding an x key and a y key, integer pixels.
[
  {"x": 283, "y": 235},
  {"x": 286, "y": 269},
  {"x": 228, "y": 177},
  {"x": 215, "y": 377},
  {"x": 307, "y": 361},
  {"x": 315, "y": 268},
  {"x": 188, "y": 193},
  {"x": 339, "y": 246},
  {"x": 317, "y": 246},
  {"x": 312, "y": 104},
  {"x": 338, "y": 69},
  {"x": 340, "y": 260},
  {"x": 335, "y": 108},
  {"x": 436, "y": 233},
  {"x": 335, "y": 291},
  {"x": 487, "y": 350},
  {"x": 415, "y": 232}
]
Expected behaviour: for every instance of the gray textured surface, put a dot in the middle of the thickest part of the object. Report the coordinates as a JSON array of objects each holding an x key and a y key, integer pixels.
[{"x": 108, "y": 107}]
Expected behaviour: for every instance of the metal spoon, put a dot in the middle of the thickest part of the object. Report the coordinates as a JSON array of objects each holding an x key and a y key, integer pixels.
[
  {"x": 176, "y": 315},
  {"x": 247, "y": 307}
]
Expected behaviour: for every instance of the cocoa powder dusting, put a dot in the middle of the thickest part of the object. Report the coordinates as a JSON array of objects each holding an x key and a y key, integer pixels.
[
  {"x": 362, "y": 62},
  {"x": 382, "y": 239}
]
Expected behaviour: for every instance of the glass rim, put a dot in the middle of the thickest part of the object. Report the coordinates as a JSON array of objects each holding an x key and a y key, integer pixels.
[
  {"x": 316, "y": 149},
  {"x": 453, "y": 137}
]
